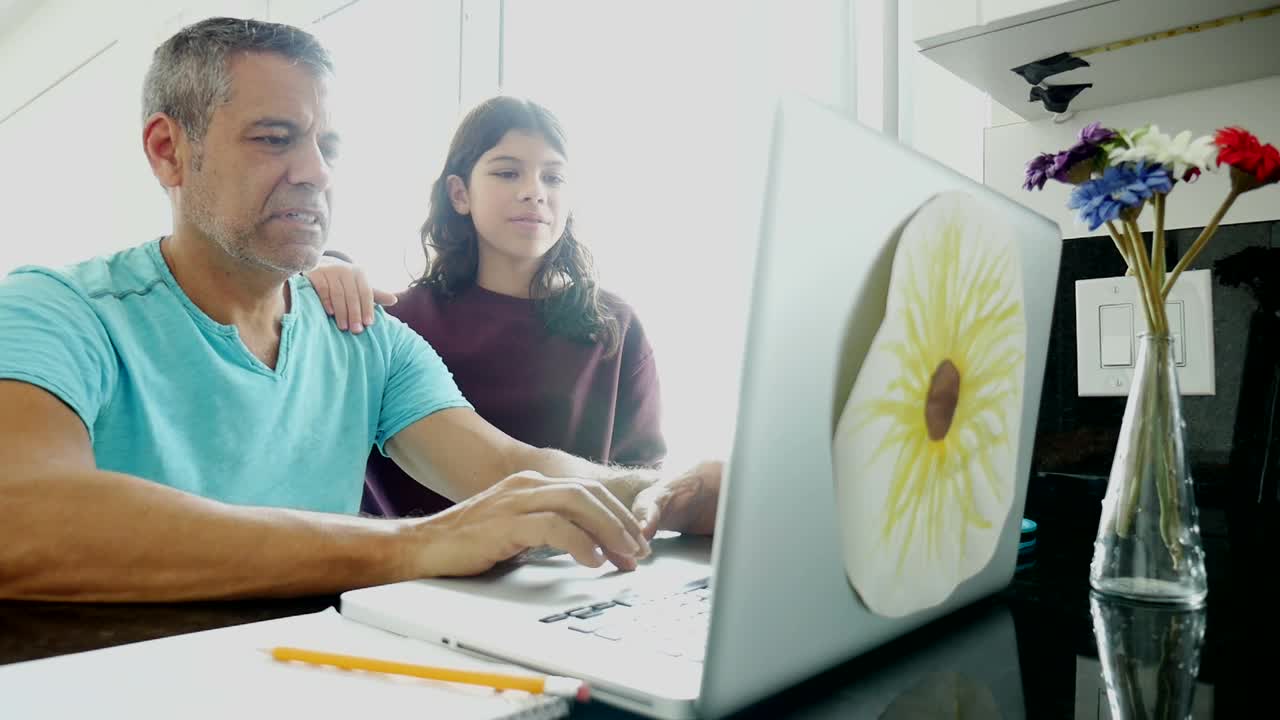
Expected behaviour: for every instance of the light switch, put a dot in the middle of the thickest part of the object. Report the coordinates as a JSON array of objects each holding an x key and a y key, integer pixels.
[
  {"x": 1177, "y": 332},
  {"x": 1115, "y": 335},
  {"x": 1108, "y": 309}
]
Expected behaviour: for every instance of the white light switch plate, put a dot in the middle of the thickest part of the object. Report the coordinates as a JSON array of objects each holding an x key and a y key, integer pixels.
[{"x": 1109, "y": 319}]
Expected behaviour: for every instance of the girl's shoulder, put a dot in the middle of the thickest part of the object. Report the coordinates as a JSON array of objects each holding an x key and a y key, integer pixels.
[
  {"x": 415, "y": 305},
  {"x": 634, "y": 340},
  {"x": 619, "y": 308},
  {"x": 417, "y": 293}
]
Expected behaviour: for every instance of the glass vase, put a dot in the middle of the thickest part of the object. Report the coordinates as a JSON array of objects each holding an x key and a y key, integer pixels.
[
  {"x": 1150, "y": 657},
  {"x": 1148, "y": 546}
]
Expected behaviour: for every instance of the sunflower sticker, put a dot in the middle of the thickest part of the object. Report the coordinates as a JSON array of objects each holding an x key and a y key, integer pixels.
[{"x": 925, "y": 449}]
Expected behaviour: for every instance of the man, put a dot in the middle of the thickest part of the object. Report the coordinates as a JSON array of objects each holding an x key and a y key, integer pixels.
[{"x": 181, "y": 420}]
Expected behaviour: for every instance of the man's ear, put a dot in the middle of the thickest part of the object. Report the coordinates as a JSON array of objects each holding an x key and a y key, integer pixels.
[
  {"x": 458, "y": 195},
  {"x": 166, "y": 148}
]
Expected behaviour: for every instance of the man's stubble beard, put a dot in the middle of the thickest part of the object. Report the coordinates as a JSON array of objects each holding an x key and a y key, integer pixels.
[{"x": 239, "y": 243}]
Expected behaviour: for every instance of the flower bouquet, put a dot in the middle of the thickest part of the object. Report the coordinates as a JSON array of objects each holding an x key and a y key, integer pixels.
[{"x": 1148, "y": 545}]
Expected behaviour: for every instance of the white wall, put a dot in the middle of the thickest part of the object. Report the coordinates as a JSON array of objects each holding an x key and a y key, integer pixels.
[
  {"x": 946, "y": 118},
  {"x": 396, "y": 104},
  {"x": 939, "y": 114},
  {"x": 668, "y": 145},
  {"x": 74, "y": 180}
]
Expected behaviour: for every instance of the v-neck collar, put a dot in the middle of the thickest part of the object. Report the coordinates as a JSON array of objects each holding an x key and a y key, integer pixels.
[{"x": 230, "y": 333}]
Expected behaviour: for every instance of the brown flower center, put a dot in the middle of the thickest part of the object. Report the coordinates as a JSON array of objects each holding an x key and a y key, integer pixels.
[{"x": 940, "y": 403}]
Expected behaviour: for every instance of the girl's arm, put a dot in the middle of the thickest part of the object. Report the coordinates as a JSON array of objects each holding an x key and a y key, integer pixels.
[{"x": 637, "y": 428}]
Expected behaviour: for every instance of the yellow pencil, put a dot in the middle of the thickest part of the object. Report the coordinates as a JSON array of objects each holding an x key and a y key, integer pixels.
[{"x": 548, "y": 684}]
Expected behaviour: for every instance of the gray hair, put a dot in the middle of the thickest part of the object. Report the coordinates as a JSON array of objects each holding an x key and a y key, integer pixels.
[{"x": 189, "y": 75}]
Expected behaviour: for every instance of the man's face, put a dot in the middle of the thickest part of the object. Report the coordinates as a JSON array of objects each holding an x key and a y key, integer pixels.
[{"x": 260, "y": 185}]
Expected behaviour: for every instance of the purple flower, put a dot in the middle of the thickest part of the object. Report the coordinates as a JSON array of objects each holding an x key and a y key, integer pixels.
[
  {"x": 1058, "y": 166},
  {"x": 1038, "y": 172},
  {"x": 1087, "y": 146},
  {"x": 1067, "y": 159},
  {"x": 1101, "y": 200},
  {"x": 1095, "y": 134}
]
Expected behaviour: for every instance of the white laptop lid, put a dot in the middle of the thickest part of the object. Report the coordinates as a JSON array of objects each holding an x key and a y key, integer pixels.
[{"x": 838, "y": 194}]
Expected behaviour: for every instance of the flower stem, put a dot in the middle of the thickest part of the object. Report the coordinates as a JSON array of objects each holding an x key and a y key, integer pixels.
[
  {"x": 1154, "y": 308},
  {"x": 1200, "y": 242},
  {"x": 1133, "y": 270},
  {"x": 1120, "y": 245},
  {"x": 1157, "y": 242},
  {"x": 1130, "y": 492},
  {"x": 1165, "y": 456}
]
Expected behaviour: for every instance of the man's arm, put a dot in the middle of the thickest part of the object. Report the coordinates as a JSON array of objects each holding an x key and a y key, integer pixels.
[
  {"x": 73, "y": 532},
  {"x": 69, "y": 531}
]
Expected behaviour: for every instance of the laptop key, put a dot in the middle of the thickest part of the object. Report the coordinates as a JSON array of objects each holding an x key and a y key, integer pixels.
[
  {"x": 604, "y": 605},
  {"x": 554, "y": 618},
  {"x": 586, "y": 612}
]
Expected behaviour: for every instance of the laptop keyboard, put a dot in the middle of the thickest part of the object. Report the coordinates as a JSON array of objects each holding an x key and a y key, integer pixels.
[{"x": 673, "y": 623}]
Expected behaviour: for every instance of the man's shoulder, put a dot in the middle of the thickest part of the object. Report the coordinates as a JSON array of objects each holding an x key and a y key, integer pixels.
[
  {"x": 387, "y": 334},
  {"x": 127, "y": 272}
]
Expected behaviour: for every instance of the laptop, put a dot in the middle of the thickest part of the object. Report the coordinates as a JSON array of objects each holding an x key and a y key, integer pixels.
[{"x": 808, "y": 567}]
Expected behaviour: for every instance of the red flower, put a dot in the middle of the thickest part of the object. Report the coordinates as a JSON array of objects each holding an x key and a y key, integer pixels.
[{"x": 1240, "y": 149}]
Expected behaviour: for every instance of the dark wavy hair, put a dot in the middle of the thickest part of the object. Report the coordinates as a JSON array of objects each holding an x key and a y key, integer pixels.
[{"x": 564, "y": 288}]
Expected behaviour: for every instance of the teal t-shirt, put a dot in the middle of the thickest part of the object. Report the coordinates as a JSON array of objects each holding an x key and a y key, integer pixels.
[{"x": 171, "y": 396}]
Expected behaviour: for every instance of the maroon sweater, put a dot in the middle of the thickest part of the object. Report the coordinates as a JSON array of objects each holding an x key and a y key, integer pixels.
[{"x": 543, "y": 389}]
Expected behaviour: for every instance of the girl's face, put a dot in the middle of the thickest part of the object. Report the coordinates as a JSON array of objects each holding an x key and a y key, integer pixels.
[{"x": 516, "y": 197}]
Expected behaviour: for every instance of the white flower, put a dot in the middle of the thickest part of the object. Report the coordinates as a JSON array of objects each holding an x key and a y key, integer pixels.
[{"x": 1178, "y": 154}]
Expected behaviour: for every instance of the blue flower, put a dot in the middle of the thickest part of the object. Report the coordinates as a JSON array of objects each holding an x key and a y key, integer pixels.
[
  {"x": 1155, "y": 176},
  {"x": 1101, "y": 200}
]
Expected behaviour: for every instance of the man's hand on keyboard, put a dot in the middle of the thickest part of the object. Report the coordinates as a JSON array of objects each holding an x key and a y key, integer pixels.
[
  {"x": 685, "y": 503},
  {"x": 529, "y": 510}
]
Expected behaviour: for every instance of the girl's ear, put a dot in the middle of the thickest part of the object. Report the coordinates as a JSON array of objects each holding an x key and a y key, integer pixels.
[{"x": 458, "y": 196}]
